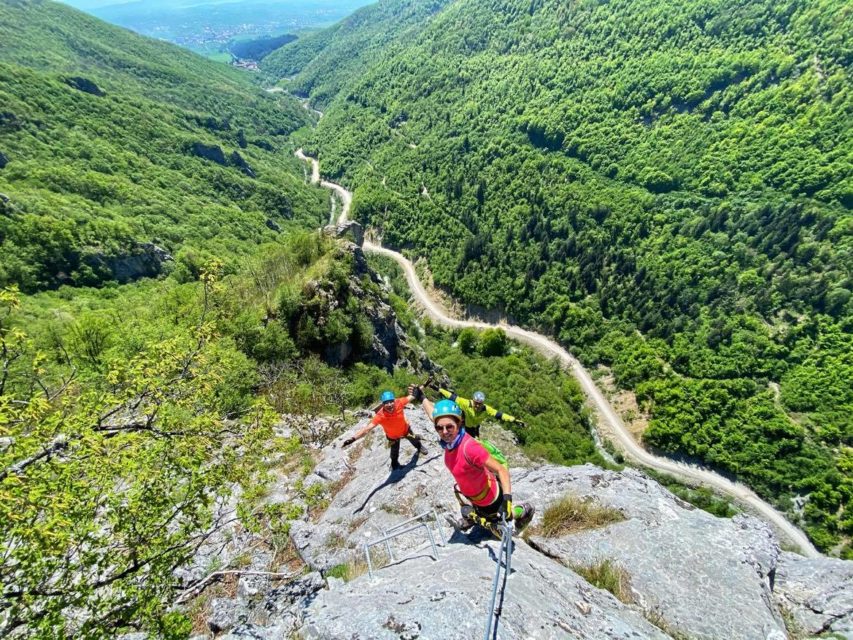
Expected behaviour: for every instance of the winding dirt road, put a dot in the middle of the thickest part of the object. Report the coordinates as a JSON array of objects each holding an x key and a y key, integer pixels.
[{"x": 604, "y": 411}]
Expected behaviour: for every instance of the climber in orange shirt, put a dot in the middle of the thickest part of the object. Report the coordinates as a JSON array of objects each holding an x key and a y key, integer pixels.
[{"x": 393, "y": 421}]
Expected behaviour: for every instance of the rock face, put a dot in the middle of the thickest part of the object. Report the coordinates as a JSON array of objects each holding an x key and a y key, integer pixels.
[
  {"x": 145, "y": 262},
  {"x": 816, "y": 593},
  {"x": 384, "y": 342},
  {"x": 240, "y": 162},
  {"x": 350, "y": 230},
  {"x": 85, "y": 85},
  {"x": 691, "y": 575},
  {"x": 449, "y": 599},
  {"x": 212, "y": 152},
  {"x": 707, "y": 577}
]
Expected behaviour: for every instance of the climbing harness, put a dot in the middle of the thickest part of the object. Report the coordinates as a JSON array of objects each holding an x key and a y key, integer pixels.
[{"x": 504, "y": 567}]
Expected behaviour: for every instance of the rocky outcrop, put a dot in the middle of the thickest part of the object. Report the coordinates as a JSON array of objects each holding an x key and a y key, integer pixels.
[
  {"x": 85, "y": 85},
  {"x": 4, "y": 160},
  {"x": 817, "y": 593},
  {"x": 145, "y": 261},
  {"x": 239, "y": 161},
  {"x": 706, "y": 577},
  {"x": 449, "y": 599},
  {"x": 374, "y": 334},
  {"x": 212, "y": 152},
  {"x": 691, "y": 575},
  {"x": 349, "y": 230}
]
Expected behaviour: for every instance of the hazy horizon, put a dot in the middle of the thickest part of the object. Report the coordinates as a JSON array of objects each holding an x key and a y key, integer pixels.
[{"x": 210, "y": 27}]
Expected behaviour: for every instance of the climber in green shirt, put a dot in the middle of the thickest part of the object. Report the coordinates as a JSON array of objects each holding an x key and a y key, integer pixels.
[{"x": 476, "y": 410}]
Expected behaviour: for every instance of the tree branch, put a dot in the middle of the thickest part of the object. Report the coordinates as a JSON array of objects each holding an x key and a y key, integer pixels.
[{"x": 59, "y": 443}]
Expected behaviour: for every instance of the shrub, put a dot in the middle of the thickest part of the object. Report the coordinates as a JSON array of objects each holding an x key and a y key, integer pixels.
[
  {"x": 467, "y": 341},
  {"x": 493, "y": 342}
]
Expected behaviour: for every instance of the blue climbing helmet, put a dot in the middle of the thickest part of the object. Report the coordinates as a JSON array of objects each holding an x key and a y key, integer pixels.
[
  {"x": 387, "y": 396},
  {"x": 479, "y": 396},
  {"x": 446, "y": 408}
]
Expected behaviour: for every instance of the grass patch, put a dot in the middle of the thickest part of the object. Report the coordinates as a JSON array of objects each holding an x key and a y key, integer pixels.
[
  {"x": 571, "y": 514},
  {"x": 347, "y": 571},
  {"x": 609, "y": 576},
  {"x": 656, "y": 617}
]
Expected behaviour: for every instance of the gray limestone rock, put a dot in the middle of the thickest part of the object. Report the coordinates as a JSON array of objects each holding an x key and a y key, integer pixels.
[
  {"x": 351, "y": 230},
  {"x": 816, "y": 593},
  {"x": 705, "y": 577},
  {"x": 449, "y": 598},
  {"x": 224, "y": 614},
  {"x": 691, "y": 575}
]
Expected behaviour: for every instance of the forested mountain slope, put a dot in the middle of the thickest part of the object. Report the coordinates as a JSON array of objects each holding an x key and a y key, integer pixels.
[
  {"x": 664, "y": 186},
  {"x": 327, "y": 59},
  {"x": 111, "y": 142}
]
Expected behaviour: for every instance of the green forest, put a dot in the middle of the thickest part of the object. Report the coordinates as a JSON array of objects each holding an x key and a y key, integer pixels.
[
  {"x": 164, "y": 298},
  {"x": 111, "y": 142},
  {"x": 664, "y": 187}
]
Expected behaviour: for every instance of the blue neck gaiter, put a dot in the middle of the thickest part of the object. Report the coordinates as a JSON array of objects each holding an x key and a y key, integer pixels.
[{"x": 455, "y": 443}]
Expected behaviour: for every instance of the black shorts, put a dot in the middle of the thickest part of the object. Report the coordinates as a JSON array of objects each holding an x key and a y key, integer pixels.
[{"x": 491, "y": 510}]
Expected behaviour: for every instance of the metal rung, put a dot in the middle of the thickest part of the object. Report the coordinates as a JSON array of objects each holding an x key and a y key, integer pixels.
[{"x": 399, "y": 530}]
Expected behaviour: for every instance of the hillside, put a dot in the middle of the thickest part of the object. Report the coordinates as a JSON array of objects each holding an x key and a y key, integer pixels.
[
  {"x": 327, "y": 59},
  {"x": 664, "y": 187},
  {"x": 112, "y": 144}
]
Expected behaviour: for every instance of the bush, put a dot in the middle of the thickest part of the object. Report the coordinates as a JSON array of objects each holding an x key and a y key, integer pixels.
[
  {"x": 467, "y": 341},
  {"x": 493, "y": 342}
]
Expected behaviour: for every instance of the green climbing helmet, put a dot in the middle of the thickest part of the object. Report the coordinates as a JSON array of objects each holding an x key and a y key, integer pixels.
[
  {"x": 446, "y": 408},
  {"x": 387, "y": 396}
]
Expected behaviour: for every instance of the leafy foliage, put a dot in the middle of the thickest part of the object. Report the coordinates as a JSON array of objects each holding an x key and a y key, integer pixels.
[
  {"x": 525, "y": 385},
  {"x": 112, "y": 466}
]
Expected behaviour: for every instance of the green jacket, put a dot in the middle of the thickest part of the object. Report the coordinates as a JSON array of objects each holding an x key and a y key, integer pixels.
[{"x": 473, "y": 418}]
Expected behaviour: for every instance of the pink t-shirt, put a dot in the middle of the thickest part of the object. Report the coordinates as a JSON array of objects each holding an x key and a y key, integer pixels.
[{"x": 467, "y": 463}]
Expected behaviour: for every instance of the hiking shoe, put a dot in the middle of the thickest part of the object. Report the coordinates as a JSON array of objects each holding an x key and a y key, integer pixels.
[
  {"x": 527, "y": 513},
  {"x": 463, "y": 525}
]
